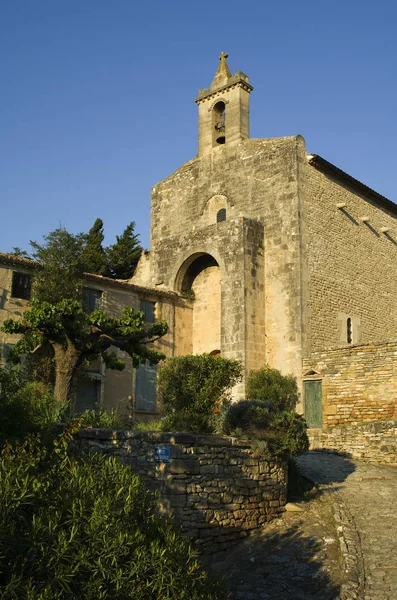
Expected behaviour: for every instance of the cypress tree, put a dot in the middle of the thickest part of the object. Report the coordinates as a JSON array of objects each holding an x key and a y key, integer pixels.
[
  {"x": 94, "y": 255},
  {"x": 123, "y": 256}
]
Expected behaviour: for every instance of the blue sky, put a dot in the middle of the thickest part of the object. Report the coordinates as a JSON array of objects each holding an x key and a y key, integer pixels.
[{"x": 97, "y": 98}]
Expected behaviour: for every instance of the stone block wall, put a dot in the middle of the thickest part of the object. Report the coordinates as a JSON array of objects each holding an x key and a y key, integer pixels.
[
  {"x": 217, "y": 488},
  {"x": 359, "y": 383},
  {"x": 352, "y": 261},
  {"x": 374, "y": 442}
]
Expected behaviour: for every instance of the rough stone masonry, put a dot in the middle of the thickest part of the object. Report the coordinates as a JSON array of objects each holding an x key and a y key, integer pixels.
[{"x": 217, "y": 488}]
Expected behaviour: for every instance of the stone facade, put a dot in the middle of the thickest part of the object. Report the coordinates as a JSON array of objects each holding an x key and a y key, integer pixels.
[
  {"x": 359, "y": 383},
  {"x": 217, "y": 488},
  {"x": 373, "y": 442},
  {"x": 351, "y": 235},
  {"x": 306, "y": 255}
]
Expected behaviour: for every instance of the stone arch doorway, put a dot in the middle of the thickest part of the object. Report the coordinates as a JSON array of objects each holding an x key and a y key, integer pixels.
[{"x": 199, "y": 276}]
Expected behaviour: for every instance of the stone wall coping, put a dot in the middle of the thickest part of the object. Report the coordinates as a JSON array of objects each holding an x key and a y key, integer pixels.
[{"x": 161, "y": 437}]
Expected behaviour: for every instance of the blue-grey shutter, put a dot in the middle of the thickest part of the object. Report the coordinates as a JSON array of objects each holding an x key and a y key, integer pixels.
[
  {"x": 87, "y": 395},
  {"x": 145, "y": 391},
  {"x": 147, "y": 308}
]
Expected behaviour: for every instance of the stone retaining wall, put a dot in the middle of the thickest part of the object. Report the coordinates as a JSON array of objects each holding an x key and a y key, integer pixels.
[
  {"x": 373, "y": 442},
  {"x": 359, "y": 383},
  {"x": 217, "y": 488}
]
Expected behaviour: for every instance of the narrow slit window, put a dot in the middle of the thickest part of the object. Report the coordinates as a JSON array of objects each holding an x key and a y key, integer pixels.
[
  {"x": 219, "y": 123},
  {"x": 349, "y": 330}
]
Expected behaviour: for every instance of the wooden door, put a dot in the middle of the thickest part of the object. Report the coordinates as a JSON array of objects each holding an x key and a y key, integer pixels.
[{"x": 313, "y": 403}]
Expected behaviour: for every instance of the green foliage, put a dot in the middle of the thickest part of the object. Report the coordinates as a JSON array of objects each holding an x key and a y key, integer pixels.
[
  {"x": 279, "y": 433},
  {"x": 269, "y": 385},
  {"x": 99, "y": 417},
  {"x": 26, "y": 408},
  {"x": 87, "y": 528},
  {"x": 123, "y": 256},
  {"x": 61, "y": 266},
  {"x": 149, "y": 425},
  {"x": 94, "y": 256},
  {"x": 78, "y": 337},
  {"x": 16, "y": 251},
  {"x": 192, "y": 389}
]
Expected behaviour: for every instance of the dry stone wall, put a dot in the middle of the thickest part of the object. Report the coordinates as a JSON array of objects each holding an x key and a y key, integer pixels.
[
  {"x": 359, "y": 383},
  {"x": 374, "y": 442},
  {"x": 217, "y": 488}
]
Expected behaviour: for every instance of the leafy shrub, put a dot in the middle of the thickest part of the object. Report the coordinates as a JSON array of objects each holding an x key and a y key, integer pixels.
[
  {"x": 26, "y": 407},
  {"x": 192, "y": 389},
  {"x": 156, "y": 425},
  {"x": 269, "y": 385},
  {"x": 280, "y": 433},
  {"x": 87, "y": 528},
  {"x": 99, "y": 417}
]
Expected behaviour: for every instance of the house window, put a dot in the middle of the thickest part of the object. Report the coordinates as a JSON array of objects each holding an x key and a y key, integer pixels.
[
  {"x": 21, "y": 285},
  {"x": 221, "y": 215},
  {"x": 148, "y": 309},
  {"x": 91, "y": 299},
  {"x": 145, "y": 391},
  {"x": 349, "y": 330}
]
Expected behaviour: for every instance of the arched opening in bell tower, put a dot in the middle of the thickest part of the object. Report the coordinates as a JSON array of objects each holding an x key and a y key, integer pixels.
[
  {"x": 199, "y": 277},
  {"x": 219, "y": 123}
]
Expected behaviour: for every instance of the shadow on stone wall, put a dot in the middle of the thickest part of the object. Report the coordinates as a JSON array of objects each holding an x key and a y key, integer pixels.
[{"x": 218, "y": 489}]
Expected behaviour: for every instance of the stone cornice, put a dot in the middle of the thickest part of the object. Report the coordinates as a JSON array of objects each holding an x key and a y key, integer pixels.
[{"x": 235, "y": 81}]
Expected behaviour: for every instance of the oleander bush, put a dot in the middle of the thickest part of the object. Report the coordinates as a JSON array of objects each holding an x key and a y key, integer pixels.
[
  {"x": 87, "y": 528},
  {"x": 192, "y": 390}
]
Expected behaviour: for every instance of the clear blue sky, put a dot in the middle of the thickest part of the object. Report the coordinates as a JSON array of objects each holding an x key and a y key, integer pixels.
[{"x": 97, "y": 97}]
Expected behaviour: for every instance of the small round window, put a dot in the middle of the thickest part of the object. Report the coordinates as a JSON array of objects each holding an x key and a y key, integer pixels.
[{"x": 221, "y": 215}]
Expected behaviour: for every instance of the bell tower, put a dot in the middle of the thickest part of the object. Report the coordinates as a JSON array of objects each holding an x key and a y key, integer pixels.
[{"x": 223, "y": 109}]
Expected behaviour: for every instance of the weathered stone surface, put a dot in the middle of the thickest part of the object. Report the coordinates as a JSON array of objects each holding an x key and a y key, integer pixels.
[
  {"x": 215, "y": 491},
  {"x": 364, "y": 496},
  {"x": 185, "y": 466},
  {"x": 372, "y": 442},
  {"x": 359, "y": 383}
]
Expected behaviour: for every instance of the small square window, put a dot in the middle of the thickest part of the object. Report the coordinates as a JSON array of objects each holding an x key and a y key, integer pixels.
[
  {"x": 91, "y": 299},
  {"x": 148, "y": 309},
  {"x": 21, "y": 285}
]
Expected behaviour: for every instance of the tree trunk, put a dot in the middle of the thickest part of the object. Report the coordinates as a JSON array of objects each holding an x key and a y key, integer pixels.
[{"x": 67, "y": 360}]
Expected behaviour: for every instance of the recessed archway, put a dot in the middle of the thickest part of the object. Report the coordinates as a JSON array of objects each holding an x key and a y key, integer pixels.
[{"x": 199, "y": 276}]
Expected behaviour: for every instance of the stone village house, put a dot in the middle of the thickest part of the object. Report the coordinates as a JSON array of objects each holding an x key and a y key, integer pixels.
[{"x": 262, "y": 253}]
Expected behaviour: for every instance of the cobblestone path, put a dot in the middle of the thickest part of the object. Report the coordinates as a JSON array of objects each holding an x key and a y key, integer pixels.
[
  {"x": 295, "y": 557},
  {"x": 367, "y": 497}
]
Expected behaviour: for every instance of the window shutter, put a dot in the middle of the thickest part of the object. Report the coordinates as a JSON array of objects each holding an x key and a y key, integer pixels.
[{"x": 145, "y": 391}]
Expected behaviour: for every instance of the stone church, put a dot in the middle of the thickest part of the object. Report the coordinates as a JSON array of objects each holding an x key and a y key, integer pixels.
[
  {"x": 284, "y": 255},
  {"x": 264, "y": 253}
]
